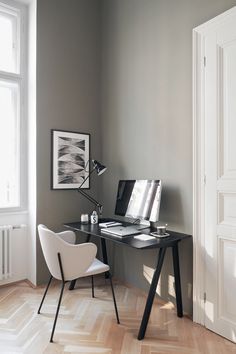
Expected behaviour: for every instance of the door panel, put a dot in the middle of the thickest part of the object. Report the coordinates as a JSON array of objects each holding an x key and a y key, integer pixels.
[
  {"x": 227, "y": 284},
  {"x": 227, "y": 209},
  {"x": 227, "y": 108}
]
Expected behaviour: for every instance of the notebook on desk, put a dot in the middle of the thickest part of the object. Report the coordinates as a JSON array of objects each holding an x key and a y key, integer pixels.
[{"x": 121, "y": 231}]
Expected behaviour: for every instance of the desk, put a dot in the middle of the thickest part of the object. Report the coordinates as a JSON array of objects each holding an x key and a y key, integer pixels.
[{"x": 161, "y": 243}]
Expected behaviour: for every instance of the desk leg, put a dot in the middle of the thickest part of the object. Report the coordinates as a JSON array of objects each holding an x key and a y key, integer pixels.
[
  {"x": 151, "y": 294},
  {"x": 178, "y": 293},
  {"x": 104, "y": 250},
  {"x": 104, "y": 254}
]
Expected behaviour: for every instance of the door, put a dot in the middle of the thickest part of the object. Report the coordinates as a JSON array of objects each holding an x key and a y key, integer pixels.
[{"x": 218, "y": 161}]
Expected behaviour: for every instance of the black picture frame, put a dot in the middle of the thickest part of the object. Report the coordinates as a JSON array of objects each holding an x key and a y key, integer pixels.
[{"x": 70, "y": 159}]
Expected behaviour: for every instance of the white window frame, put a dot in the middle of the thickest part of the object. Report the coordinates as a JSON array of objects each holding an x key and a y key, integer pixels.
[{"x": 20, "y": 77}]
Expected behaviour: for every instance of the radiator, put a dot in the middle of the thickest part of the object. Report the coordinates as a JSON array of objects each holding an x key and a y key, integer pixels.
[{"x": 5, "y": 251}]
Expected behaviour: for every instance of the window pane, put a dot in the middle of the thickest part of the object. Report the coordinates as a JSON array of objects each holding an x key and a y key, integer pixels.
[
  {"x": 9, "y": 145},
  {"x": 8, "y": 45}
]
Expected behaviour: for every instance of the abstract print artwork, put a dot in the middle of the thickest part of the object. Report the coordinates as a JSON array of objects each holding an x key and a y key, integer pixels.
[{"x": 70, "y": 159}]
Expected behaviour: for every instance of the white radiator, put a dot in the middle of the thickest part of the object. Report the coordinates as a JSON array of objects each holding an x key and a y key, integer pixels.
[
  {"x": 13, "y": 253},
  {"x": 5, "y": 251}
]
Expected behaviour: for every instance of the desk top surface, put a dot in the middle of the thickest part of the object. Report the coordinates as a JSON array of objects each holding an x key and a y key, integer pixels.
[{"x": 130, "y": 240}]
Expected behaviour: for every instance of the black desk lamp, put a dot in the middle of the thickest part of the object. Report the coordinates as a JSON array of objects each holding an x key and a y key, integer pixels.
[{"x": 99, "y": 168}]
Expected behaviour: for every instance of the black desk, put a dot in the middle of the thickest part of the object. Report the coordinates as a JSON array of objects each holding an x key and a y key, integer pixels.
[{"x": 161, "y": 243}]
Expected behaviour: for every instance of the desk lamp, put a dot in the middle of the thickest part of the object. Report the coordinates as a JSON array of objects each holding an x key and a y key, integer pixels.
[{"x": 99, "y": 168}]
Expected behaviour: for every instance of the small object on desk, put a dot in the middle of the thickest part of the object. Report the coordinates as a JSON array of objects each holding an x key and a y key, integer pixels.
[
  {"x": 156, "y": 234},
  {"x": 94, "y": 217},
  {"x": 109, "y": 224},
  {"x": 84, "y": 219},
  {"x": 161, "y": 230},
  {"x": 144, "y": 237}
]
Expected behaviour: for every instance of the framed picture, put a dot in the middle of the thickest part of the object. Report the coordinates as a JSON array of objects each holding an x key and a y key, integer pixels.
[{"x": 70, "y": 159}]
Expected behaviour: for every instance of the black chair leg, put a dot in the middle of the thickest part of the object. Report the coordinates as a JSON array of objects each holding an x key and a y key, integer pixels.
[
  {"x": 44, "y": 295},
  {"x": 114, "y": 299},
  {"x": 92, "y": 286},
  {"x": 72, "y": 284},
  {"x": 58, "y": 308}
]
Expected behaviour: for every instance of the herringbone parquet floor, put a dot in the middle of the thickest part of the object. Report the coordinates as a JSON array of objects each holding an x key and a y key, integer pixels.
[{"x": 86, "y": 325}]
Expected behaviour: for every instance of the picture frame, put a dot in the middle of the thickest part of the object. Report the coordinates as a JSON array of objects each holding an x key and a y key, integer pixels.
[{"x": 70, "y": 159}]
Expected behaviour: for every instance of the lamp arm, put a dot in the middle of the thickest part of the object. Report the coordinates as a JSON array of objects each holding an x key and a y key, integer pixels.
[
  {"x": 91, "y": 199},
  {"x": 89, "y": 174}
]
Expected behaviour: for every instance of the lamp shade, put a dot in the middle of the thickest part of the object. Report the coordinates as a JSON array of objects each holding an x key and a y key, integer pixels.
[{"x": 99, "y": 167}]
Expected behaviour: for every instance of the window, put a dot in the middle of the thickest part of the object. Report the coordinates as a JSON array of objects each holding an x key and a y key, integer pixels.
[{"x": 12, "y": 114}]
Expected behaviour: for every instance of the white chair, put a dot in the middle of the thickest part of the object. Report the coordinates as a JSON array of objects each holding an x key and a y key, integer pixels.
[{"x": 67, "y": 261}]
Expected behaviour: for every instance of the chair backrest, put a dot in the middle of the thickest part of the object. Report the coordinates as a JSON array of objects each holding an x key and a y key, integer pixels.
[{"x": 76, "y": 259}]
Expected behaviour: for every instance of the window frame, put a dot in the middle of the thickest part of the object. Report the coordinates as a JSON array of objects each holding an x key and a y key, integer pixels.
[{"x": 20, "y": 78}]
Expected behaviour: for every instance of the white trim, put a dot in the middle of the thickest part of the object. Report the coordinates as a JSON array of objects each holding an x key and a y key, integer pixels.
[
  {"x": 198, "y": 178},
  {"x": 15, "y": 4},
  {"x": 8, "y": 212},
  {"x": 24, "y": 109},
  {"x": 10, "y": 76},
  {"x": 9, "y": 7}
]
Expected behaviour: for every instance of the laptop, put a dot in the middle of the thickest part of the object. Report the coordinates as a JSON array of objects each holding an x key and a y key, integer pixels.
[{"x": 121, "y": 230}]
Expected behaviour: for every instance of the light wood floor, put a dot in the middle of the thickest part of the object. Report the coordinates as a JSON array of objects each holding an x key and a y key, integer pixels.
[{"x": 86, "y": 325}]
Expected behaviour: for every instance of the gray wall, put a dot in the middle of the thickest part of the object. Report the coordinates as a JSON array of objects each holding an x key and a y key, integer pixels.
[
  {"x": 147, "y": 117},
  {"x": 68, "y": 98}
]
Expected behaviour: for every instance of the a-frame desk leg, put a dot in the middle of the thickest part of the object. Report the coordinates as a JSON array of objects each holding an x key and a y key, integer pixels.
[
  {"x": 178, "y": 293},
  {"x": 151, "y": 294}
]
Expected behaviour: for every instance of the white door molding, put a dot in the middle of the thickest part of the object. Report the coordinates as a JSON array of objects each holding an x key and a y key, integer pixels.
[{"x": 198, "y": 177}]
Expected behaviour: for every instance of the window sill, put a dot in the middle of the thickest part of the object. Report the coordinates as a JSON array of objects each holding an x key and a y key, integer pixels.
[{"x": 13, "y": 212}]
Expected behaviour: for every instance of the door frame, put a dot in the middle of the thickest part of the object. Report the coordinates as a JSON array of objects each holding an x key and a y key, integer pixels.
[
  {"x": 198, "y": 177},
  {"x": 198, "y": 79}
]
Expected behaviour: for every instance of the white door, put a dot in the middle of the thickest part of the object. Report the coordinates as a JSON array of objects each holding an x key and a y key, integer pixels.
[{"x": 218, "y": 163}]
